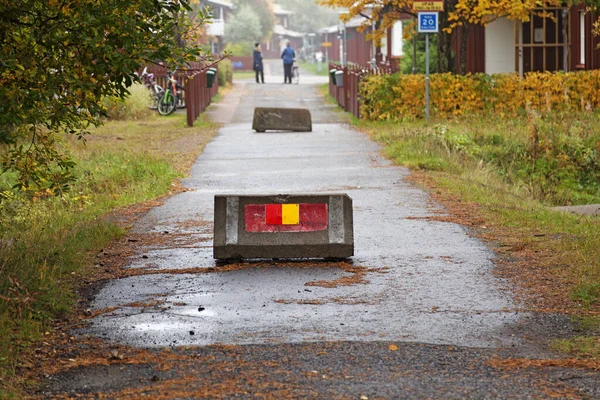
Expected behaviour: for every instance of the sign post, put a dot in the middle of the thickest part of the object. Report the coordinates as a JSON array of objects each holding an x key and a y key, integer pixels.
[{"x": 428, "y": 23}]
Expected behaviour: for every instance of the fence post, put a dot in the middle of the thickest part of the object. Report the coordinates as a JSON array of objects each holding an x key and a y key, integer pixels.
[
  {"x": 346, "y": 88},
  {"x": 189, "y": 94},
  {"x": 198, "y": 96}
]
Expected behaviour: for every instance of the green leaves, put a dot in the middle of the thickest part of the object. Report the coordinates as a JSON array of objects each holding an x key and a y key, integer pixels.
[{"x": 59, "y": 58}]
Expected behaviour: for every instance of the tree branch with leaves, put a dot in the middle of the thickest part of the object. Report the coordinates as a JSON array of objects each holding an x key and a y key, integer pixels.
[{"x": 60, "y": 57}]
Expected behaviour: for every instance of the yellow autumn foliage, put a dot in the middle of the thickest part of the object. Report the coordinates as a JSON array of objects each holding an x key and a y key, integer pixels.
[{"x": 398, "y": 96}]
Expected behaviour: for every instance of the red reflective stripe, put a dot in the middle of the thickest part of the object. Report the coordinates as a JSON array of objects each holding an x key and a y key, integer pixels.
[
  {"x": 313, "y": 217},
  {"x": 274, "y": 215}
]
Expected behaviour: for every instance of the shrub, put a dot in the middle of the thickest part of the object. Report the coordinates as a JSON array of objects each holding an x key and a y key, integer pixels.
[
  {"x": 240, "y": 48},
  {"x": 135, "y": 106},
  {"x": 225, "y": 71},
  {"x": 399, "y": 96}
]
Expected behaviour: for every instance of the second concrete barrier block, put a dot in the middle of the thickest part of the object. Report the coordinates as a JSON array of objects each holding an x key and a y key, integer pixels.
[{"x": 282, "y": 119}]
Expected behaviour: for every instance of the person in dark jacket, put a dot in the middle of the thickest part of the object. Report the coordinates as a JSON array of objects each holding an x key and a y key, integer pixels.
[
  {"x": 258, "y": 63},
  {"x": 288, "y": 56}
]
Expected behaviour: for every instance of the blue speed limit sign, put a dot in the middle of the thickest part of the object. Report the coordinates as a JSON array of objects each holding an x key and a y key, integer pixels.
[{"x": 428, "y": 22}]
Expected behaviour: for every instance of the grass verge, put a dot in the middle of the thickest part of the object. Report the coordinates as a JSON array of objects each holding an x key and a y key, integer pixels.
[
  {"x": 243, "y": 75},
  {"x": 324, "y": 90},
  {"x": 45, "y": 242},
  {"x": 474, "y": 168},
  {"x": 314, "y": 68}
]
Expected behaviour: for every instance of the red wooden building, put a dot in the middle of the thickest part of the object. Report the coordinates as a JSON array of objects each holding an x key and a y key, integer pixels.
[
  {"x": 538, "y": 45},
  {"x": 563, "y": 37},
  {"x": 359, "y": 50}
]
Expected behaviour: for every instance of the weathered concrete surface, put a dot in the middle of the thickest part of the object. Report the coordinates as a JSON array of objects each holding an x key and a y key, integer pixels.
[
  {"x": 232, "y": 240},
  {"x": 429, "y": 281},
  {"x": 281, "y": 119}
]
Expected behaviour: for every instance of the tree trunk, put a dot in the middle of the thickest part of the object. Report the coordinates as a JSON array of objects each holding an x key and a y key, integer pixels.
[
  {"x": 414, "y": 57},
  {"x": 464, "y": 34},
  {"x": 444, "y": 48},
  {"x": 445, "y": 60}
]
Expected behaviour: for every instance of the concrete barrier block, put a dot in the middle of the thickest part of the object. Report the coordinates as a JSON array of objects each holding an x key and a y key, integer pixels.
[
  {"x": 283, "y": 226},
  {"x": 282, "y": 119}
]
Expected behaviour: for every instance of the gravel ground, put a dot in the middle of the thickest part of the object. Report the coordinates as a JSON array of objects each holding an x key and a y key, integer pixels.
[{"x": 335, "y": 370}]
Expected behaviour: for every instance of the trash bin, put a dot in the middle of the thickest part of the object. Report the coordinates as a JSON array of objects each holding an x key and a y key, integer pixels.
[
  {"x": 339, "y": 78},
  {"x": 332, "y": 75},
  {"x": 211, "y": 73}
]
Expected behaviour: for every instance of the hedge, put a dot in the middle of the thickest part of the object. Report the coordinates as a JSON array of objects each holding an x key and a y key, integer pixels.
[
  {"x": 225, "y": 72},
  {"x": 400, "y": 96}
]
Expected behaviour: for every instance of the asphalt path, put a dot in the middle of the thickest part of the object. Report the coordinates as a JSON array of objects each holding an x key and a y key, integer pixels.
[{"x": 422, "y": 318}]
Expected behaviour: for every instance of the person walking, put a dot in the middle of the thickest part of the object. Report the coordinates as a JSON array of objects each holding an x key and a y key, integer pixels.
[
  {"x": 288, "y": 55},
  {"x": 258, "y": 63}
]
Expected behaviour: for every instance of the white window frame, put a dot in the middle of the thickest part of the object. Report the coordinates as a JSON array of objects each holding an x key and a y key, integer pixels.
[{"x": 582, "y": 37}]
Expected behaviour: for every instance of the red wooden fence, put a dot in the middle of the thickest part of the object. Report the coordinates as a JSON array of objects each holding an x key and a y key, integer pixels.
[
  {"x": 242, "y": 63},
  {"x": 193, "y": 78},
  {"x": 197, "y": 95},
  {"x": 348, "y": 96}
]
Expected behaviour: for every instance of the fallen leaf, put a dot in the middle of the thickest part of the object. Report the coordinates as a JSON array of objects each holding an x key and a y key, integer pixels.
[
  {"x": 393, "y": 347},
  {"x": 115, "y": 355}
]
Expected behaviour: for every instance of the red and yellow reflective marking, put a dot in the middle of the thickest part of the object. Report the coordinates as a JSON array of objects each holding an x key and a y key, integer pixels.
[
  {"x": 283, "y": 214},
  {"x": 305, "y": 217}
]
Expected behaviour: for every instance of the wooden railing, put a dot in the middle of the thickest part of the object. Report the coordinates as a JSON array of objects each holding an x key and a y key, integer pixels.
[
  {"x": 193, "y": 78},
  {"x": 197, "y": 95},
  {"x": 348, "y": 96}
]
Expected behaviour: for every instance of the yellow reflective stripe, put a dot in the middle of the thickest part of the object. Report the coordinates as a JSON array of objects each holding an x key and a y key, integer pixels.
[{"x": 290, "y": 214}]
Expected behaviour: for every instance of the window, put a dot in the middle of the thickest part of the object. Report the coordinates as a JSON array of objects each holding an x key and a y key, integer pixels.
[{"x": 542, "y": 41}]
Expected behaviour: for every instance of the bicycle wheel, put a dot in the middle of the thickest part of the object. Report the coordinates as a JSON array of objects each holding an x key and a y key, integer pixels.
[
  {"x": 156, "y": 93},
  {"x": 166, "y": 103},
  {"x": 296, "y": 75},
  {"x": 153, "y": 101},
  {"x": 180, "y": 100}
]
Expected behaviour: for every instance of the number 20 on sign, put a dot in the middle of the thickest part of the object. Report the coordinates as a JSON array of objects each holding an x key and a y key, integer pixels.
[{"x": 428, "y": 22}]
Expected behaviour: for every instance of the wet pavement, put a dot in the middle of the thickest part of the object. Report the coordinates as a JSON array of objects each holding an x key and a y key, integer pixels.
[{"x": 428, "y": 281}]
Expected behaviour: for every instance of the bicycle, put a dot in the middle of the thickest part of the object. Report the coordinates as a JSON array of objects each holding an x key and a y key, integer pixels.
[
  {"x": 295, "y": 73},
  {"x": 156, "y": 91},
  {"x": 180, "y": 103},
  {"x": 168, "y": 102}
]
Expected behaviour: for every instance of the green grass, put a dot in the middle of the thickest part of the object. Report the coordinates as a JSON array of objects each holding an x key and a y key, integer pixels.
[
  {"x": 136, "y": 106},
  {"x": 314, "y": 68},
  {"x": 581, "y": 346},
  {"x": 324, "y": 89},
  {"x": 586, "y": 323},
  {"x": 46, "y": 242},
  {"x": 243, "y": 75},
  {"x": 554, "y": 160}
]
